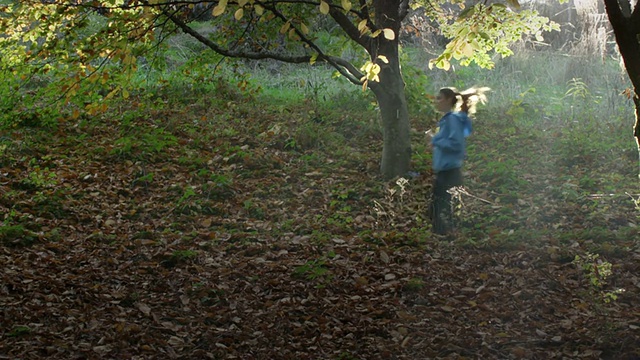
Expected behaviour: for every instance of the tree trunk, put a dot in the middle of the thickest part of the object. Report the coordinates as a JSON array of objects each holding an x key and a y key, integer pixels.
[
  {"x": 396, "y": 151},
  {"x": 389, "y": 91},
  {"x": 626, "y": 27}
]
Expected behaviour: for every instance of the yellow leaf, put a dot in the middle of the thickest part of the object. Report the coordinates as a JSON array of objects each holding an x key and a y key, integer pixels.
[
  {"x": 242, "y": 3},
  {"x": 259, "y": 10},
  {"x": 467, "y": 50},
  {"x": 238, "y": 14},
  {"x": 346, "y": 5},
  {"x": 383, "y": 59},
  {"x": 293, "y": 35},
  {"x": 304, "y": 28},
  {"x": 111, "y": 94},
  {"x": 366, "y": 67},
  {"x": 364, "y": 85},
  {"x": 94, "y": 77},
  {"x": 220, "y": 8},
  {"x": 285, "y": 27},
  {"x": 444, "y": 64},
  {"x": 362, "y": 25},
  {"x": 313, "y": 59},
  {"x": 125, "y": 94},
  {"x": 389, "y": 34},
  {"x": 324, "y": 8},
  {"x": 376, "y": 33}
]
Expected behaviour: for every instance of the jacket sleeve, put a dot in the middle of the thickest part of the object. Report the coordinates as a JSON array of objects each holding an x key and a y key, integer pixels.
[{"x": 450, "y": 138}]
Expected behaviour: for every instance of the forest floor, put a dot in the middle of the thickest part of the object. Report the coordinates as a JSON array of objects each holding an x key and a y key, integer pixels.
[{"x": 203, "y": 233}]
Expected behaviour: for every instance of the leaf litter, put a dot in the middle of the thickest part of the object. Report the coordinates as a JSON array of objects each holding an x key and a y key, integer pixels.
[{"x": 252, "y": 253}]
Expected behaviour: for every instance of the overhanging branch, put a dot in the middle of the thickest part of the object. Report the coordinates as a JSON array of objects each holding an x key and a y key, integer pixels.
[
  {"x": 350, "y": 29},
  {"x": 345, "y": 68},
  {"x": 354, "y": 75},
  {"x": 236, "y": 54},
  {"x": 404, "y": 9},
  {"x": 339, "y": 64}
]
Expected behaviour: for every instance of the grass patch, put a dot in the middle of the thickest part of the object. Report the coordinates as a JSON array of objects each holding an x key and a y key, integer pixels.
[{"x": 16, "y": 236}]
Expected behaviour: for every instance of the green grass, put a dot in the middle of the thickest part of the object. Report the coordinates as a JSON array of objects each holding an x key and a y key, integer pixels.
[
  {"x": 548, "y": 132},
  {"x": 271, "y": 193}
]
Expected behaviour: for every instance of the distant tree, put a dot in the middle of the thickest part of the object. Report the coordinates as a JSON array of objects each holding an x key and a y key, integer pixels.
[
  {"x": 62, "y": 38},
  {"x": 626, "y": 27}
]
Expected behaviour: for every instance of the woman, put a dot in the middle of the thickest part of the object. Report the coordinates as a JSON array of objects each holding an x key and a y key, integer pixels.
[{"x": 449, "y": 150}]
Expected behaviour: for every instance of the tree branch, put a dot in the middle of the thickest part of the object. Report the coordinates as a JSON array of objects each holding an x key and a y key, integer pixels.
[
  {"x": 365, "y": 10},
  {"x": 350, "y": 29},
  {"x": 354, "y": 74},
  {"x": 337, "y": 63},
  {"x": 625, "y": 7},
  {"x": 235, "y": 54},
  {"x": 635, "y": 16},
  {"x": 404, "y": 9},
  {"x": 345, "y": 68}
]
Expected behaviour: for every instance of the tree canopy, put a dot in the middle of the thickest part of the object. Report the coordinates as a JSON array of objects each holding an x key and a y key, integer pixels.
[
  {"x": 102, "y": 42},
  {"x": 37, "y": 32}
]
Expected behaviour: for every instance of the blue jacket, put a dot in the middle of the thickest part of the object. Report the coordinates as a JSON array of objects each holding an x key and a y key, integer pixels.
[{"x": 449, "y": 145}]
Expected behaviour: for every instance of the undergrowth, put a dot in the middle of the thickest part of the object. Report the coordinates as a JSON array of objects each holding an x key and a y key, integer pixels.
[{"x": 542, "y": 160}]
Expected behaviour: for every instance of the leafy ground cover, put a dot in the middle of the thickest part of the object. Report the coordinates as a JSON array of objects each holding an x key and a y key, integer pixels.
[{"x": 210, "y": 229}]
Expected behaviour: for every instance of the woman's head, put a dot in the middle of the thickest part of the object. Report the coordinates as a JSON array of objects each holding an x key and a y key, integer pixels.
[
  {"x": 449, "y": 99},
  {"x": 446, "y": 99}
]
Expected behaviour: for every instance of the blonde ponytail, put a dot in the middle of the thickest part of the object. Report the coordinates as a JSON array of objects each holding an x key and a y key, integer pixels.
[{"x": 471, "y": 97}]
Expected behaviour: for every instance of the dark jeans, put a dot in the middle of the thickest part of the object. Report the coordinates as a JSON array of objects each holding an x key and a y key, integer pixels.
[{"x": 441, "y": 214}]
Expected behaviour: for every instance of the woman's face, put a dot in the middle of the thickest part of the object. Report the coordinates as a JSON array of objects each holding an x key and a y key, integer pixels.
[{"x": 443, "y": 103}]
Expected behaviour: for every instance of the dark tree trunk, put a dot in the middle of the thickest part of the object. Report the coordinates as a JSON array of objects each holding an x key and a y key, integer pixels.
[
  {"x": 626, "y": 27},
  {"x": 390, "y": 91},
  {"x": 396, "y": 151}
]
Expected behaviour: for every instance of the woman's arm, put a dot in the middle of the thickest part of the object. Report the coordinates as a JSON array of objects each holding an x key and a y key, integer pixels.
[{"x": 450, "y": 138}]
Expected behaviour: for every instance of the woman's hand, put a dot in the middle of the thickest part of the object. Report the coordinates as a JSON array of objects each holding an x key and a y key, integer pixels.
[{"x": 429, "y": 134}]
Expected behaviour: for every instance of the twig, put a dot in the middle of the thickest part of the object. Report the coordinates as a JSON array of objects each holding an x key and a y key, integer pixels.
[
  {"x": 464, "y": 191},
  {"x": 596, "y": 196}
]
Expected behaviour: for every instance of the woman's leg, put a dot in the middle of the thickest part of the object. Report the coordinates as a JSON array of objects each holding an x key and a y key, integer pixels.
[{"x": 441, "y": 215}]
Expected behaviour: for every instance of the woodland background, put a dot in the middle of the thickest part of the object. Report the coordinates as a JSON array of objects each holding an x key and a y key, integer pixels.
[{"x": 238, "y": 213}]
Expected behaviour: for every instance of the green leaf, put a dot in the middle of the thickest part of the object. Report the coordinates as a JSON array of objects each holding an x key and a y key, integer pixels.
[{"x": 467, "y": 13}]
